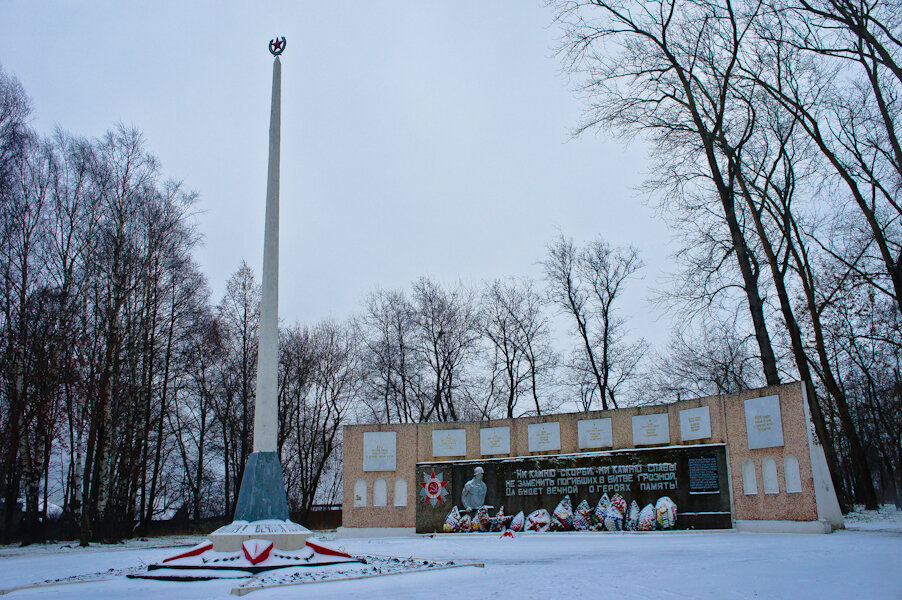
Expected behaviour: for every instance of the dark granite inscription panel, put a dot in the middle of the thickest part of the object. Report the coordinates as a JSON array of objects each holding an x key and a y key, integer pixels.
[
  {"x": 703, "y": 475},
  {"x": 534, "y": 482}
]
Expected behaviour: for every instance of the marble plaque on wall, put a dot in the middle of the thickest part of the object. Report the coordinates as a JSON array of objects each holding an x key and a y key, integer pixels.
[
  {"x": 651, "y": 429},
  {"x": 695, "y": 423},
  {"x": 595, "y": 433},
  {"x": 762, "y": 422},
  {"x": 495, "y": 440},
  {"x": 449, "y": 442},
  {"x": 379, "y": 450},
  {"x": 544, "y": 436}
]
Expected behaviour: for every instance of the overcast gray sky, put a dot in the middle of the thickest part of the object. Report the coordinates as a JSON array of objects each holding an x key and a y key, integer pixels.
[{"x": 418, "y": 138}]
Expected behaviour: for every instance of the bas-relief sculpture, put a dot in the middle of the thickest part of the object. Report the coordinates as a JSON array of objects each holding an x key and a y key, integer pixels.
[
  {"x": 473, "y": 495},
  {"x": 535, "y": 485}
]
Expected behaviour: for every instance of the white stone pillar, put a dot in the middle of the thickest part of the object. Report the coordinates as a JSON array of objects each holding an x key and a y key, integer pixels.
[{"x": 266, "y": 413}]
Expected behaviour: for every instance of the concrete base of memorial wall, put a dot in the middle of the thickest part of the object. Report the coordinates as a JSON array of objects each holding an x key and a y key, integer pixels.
[
  {"x": 762, "y": 482},
  {"x": 771, "y": 526},
  {"x": 374, "y": 532}
]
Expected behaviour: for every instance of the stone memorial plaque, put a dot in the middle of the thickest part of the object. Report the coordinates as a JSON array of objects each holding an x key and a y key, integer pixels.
[
  {"x": 762, "y": 422},
  {"x": 651, "y": 429},
  {"x": 379, "y": 450},
  {"x": 704, "y": 476},
  {"x": 595, "y": 433},
  {"x": 530, "y": 483},
  {"x": 544, "y": 436},
  {"x": 495, "y": 440},
  {"x": 449, "y": 442},
  {"x": 695, "y": 423}
]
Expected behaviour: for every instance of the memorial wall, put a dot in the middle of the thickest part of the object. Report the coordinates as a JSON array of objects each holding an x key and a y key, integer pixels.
[{"x": 715, "y": 462}]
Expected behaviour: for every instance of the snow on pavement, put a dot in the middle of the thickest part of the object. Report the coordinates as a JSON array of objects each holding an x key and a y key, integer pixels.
[{"x": 844, "y": 564}]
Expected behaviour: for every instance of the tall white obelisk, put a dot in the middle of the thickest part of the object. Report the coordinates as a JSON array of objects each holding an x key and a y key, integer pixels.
[
  {"x": 262, "y": 499},
  {"x": 266, "y": 411}
]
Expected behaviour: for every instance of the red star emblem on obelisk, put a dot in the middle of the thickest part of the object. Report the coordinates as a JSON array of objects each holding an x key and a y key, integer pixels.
[{"x": 277, "y": 46}]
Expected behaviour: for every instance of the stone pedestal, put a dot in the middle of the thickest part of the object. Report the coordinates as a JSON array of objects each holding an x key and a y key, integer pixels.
[
  {"x": 284, "y": 535},
  {"x": 262, "y": 493},
  {"x": 262, "y": 509}
]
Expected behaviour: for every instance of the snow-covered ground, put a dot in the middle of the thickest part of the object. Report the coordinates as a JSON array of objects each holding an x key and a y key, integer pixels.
[
  {"x": 861, "y": 562},
  {"x": 887, "y": 518}
]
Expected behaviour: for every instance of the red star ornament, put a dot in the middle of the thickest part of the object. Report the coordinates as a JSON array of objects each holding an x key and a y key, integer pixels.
[{"x": 433, "y": 488}]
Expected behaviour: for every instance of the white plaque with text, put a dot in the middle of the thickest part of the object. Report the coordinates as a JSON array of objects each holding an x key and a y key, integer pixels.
[
  {"x": 544, "y": 436},
  {"x": 651, "y": 429},
  {"x": 595, "y": 433},
  {"x": 449, "y": 442},
  {"x": 379, "y": 450},
  {"x": 495, "y": 440},
  {"x": 762, "y": 422},
  {"x": 695, "y": 423}
]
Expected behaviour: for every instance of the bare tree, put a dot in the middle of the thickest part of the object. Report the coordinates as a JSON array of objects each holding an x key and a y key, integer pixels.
[
  {"x": 192, "y": 421},
  {"x": 848, "y": 127},
  {"x": 238, "y": 315},
  {"x": 446, "y": 339},
  {"x": 521, "y": 357},
  {"x": 15, "y": 108},
  {"x": 834, "y": 66},
  {"x": 15, "y": 137},
  {"x": 670, "y": 77},
  {"x": 23, "y": 281},
  {"x": 586, "y": 284},
  {"x": 322, "y": 372},
  {"x": 729, "y": 91},
  {"x": 72, "y": 221},
  {"x": 393, "y": 365},
  {"x": 713, "y": 361}
]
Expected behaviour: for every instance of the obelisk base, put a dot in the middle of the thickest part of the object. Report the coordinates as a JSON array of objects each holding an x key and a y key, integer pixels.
[
  {"x": 262, "y": 509},
  {"x": 262, "y": 493},
  {"x": 284, "y": 535}
]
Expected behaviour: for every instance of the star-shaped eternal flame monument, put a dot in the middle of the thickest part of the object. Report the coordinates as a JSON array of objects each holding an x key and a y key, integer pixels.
[{"x": 261, "y": 537}]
